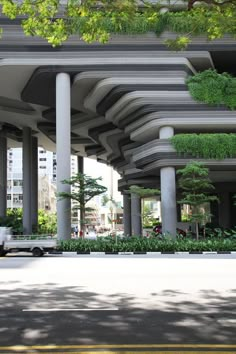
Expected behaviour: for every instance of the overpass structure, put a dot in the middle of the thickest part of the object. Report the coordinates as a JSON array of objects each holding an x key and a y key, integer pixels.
[{"x": 119, "y": 103}]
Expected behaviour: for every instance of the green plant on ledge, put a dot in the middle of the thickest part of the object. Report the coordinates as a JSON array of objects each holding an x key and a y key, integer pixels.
[
  {"x": 94, "y": 20},
  {"x": 209, "y": 146},
  {"x": 213, "y": 88}
]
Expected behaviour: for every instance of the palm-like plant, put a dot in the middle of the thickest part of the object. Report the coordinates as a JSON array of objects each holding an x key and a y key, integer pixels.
[{"x": 112, "y": 204}]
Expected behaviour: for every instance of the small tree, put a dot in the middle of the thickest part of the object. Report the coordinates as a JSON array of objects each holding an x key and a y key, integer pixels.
[
  {"x": 47, "y": 222},
  {"x": 196, "y": 186},
  {"x": 84, "y": 189},
  {"x": 112, "y": 204},
  {"x": 143, "y": 192},
  {"x": 13, "y": 219}
]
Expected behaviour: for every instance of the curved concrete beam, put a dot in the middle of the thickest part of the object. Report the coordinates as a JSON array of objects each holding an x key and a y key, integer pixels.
[
  {"x": 103, "y": 87},
  {"x": 134, "y": 100},
  {"x": 183, "y": 121},
  {"x": 217, "y": 165}
]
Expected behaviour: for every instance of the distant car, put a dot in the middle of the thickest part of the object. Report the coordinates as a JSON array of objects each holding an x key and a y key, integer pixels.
[{"x": 158, "y": 230}]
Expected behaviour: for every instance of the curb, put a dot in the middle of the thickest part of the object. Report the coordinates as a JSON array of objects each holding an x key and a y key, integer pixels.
[{"x": 143, "y": 253}]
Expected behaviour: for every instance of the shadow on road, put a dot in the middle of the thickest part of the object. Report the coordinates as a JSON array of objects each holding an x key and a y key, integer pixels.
[{"x": 209, "y": 321}]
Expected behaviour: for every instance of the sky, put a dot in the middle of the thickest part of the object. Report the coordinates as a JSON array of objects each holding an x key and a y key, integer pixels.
[{"x": 96, "y": 169}]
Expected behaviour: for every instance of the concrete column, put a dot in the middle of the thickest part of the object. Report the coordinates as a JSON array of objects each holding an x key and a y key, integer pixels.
[
  {"x": 34, "y": 196},
  {"x": 27, "y": 181},
  {"x": 168, "y": 191},
  {"x": 127, "y": 214},
  {"x": 224, "y": 209},
  {"x": 63, "y": 140},
  {"x": 80, "y": 160},
  {"x": 3, "y": 175},
  {"x": 136, "y": 223},
  {"x": 166, "y": 132}
]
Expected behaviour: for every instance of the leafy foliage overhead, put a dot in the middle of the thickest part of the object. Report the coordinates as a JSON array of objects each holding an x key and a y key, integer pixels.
[
  {"x": 96, "y": 20},
  {"x": 213, "y": 88},
  {"x": 210, "y": 146}
]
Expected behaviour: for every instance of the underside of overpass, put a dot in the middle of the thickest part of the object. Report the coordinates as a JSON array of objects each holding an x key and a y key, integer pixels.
[{"x": 126, "y": 99}]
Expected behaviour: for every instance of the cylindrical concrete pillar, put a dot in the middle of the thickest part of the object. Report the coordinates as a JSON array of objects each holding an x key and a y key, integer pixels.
[
  {"x": 34, "y": 196},
  {"x": 168, "y": 201},
  {"x": 80, "y": 160},
  {"x": 27, "y": 181},
  {"x": 3, "y": 175},
  {"x": 63, "y": 149},
  {"x": 127, "y": 214},
  {"x": 168, "y": 191},
  {"x": 136, "y": 223},
  {"x": 166, "y": 132},
  {"x": 224, "y": 209}
]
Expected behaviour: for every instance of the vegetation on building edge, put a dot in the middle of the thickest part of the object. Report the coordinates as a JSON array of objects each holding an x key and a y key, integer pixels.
[
  {"x": 209, "y": 146},
  {"x": 97, "y": 20},
  {"x": 213, "y": 88}
]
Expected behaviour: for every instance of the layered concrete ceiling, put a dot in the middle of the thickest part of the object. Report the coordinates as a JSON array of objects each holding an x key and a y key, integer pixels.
[{"x": 120, "y": 99}]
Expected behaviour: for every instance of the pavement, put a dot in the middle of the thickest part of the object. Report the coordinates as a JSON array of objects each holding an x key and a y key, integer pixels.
[{"x": 118, "y": 304}]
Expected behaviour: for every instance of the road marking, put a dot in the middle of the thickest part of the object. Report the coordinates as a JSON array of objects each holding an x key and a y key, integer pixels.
[
  {"x": 135, "y": 352},
  {"x": 117, "y": 346},
  {"x": 230, "y": 320},
  {"x": 69, "y": 310},
  {"x": 143, "y": 352}
]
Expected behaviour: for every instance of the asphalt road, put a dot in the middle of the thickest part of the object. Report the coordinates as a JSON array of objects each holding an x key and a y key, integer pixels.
[{"x": 153, "y": 304}]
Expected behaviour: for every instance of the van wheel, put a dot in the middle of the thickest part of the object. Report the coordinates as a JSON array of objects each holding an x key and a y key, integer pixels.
[
  {"x": 37, "y": 252},
  {"x": 2, "y": 252}
]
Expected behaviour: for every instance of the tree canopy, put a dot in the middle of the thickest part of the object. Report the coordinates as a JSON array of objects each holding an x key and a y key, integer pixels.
[
  {"x": 143, "y": 192},
  {"x": 196, "y": 188},
  {"x": 93, "y": 20},
  {"x": 84, "y": 188}
]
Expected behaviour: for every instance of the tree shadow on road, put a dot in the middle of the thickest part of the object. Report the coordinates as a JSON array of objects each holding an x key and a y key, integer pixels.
[{"x": 211, "y": 320}]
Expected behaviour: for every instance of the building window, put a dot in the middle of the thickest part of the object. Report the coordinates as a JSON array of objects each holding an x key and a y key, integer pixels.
[
  {"x": 43, "y": 159},
  {"x": 9, "y": 197},
  {"x": 17, "y": 183},
  {"x": 42, "y": 167}
]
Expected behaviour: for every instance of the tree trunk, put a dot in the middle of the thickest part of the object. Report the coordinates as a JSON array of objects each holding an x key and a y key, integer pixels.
[
  {"x": 82, "y": 221},
  {"x": 197, "y": 232},
  {"x": 112, "y": 218}
]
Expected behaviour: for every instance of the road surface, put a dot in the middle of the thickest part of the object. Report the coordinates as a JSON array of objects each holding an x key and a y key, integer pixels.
[{"x": 150, "y": 304}]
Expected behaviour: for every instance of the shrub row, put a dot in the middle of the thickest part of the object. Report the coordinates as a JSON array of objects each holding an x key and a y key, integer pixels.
[{"x": 138, "y": 244}]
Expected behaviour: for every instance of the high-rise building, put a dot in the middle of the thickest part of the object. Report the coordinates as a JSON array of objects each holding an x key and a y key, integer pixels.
[{"x": 15, "y": 179}]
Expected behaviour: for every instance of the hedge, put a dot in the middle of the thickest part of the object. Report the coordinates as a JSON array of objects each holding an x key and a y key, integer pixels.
[{"x": 138, "y": 244}]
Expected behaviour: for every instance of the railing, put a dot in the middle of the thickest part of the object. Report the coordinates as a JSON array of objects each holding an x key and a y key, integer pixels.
[{"x": 33, "y": 237}]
